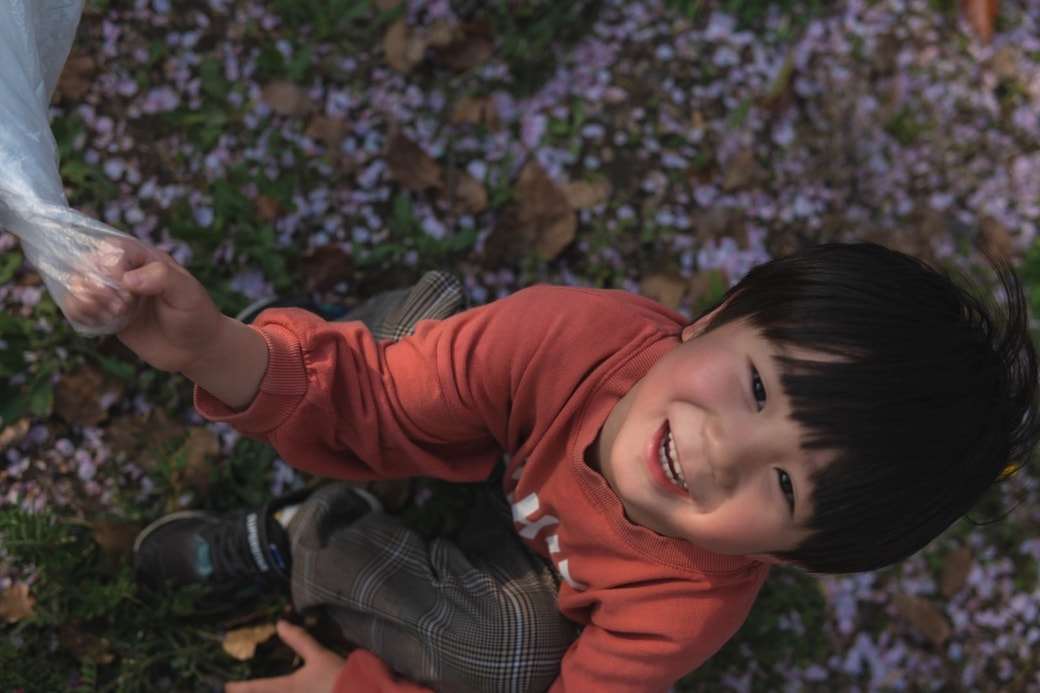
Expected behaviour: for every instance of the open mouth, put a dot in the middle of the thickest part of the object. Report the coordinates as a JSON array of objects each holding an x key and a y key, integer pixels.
[{"x": 669, "y": 459}]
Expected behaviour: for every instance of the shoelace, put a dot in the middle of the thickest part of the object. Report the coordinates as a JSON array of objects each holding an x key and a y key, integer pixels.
[{"x": 236, "y": 549}]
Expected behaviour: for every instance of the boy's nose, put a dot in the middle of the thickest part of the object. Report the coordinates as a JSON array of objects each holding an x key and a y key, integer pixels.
[{"x": 730, "y": 451}]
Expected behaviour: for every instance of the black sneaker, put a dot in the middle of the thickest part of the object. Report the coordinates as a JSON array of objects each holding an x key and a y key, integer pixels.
[
  {"x": 234, "y": 555},
  {"x": 324, "y": 310},
  {"x": 388, "y": 315}
]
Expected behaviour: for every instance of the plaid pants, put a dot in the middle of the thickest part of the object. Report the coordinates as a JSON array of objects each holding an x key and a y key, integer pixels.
[{"x": 478, "y": 613}]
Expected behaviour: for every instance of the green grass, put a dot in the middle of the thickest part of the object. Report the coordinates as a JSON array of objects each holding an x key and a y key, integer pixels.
[{"x": 91, "y": 627}]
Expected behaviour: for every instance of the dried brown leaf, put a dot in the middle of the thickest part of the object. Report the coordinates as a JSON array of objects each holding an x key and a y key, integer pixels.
[
  {"x": 932, "y": 225},
  {"x": 84, "y": 645},
  {"x": 268, "y": 208},
  {"x": 980, "y": 16},
  {"x": 76, "y": 78},
  {"x": 581, "y": 194},
  {"x": 476, "y": 111},
  {"x": 544, "y": 209},
  {"x": 554, "y": 238},
  {"x": 714, "y": 223},
  {"x": 403, "y": 46},
  {"x": 954, "y": 574},
  {"x": 411, "y": 166},
  {"x": 201, "y": 446},
  {"x": 468, "y": 195},
  {"x": 441, "y": 33},
  {"x": 666, "y": 289},
  {"x": 13, "y": 434},
  {"x": 929, "y": 225},
  {"x": 924, "y": 616},
  {"x": 16, "y": 604},
  {"x": 472, "y": 45},
  {"x": 80, "y": 396},
  {"x": 116, "y": 539},
  {"x": 327, "y": 266},
  {"x": 136, "y": 435},
  {"x": 996, "y": 238},
  {"x": 30, "y": 278},
  {"x": 742, "y": 171},
  {"x": 287, "y": 99},
  {"x": 511, "y": 237},
  {"x": 328, "y": 130},
  {"x": 885, "y": 57},
  {"x": 1004, "y": 63},
  {"x": 241, "y": 643}
]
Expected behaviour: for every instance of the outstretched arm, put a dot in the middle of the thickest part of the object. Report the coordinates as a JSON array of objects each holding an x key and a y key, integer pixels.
[{"x": 178, "y": 328}]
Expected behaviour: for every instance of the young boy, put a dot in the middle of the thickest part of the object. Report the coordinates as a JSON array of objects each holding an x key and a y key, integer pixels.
[{"x": 837, "y": 411}]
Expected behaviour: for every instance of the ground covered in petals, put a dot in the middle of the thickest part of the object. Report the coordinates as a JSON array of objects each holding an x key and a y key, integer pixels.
[{"x": 336, "y": 149}]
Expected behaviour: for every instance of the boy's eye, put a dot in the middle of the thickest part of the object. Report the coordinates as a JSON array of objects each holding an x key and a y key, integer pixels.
[
  {"x": 787, "y": 486},
  {"x": 758, "y": 390}
]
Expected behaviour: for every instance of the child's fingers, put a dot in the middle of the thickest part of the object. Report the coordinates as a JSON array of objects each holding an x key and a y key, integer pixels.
[
  {"x": 164, "y": 276},
  {"x": 299, "y": 640},
  {"x": 92, "y": 303},
  {"x": 135, "y": 254},
  {"x": 149, "y": 279}
]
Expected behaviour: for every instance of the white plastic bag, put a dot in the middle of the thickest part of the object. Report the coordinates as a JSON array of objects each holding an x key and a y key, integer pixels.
[{"x": 72, "y": 251}]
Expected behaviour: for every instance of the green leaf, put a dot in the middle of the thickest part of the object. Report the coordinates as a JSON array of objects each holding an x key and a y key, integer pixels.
[
  {"x": 13, "y": 327},
  {"x": 379, "y": 256},
  {"x": 301, "y": 64},
  {"x": 352, "y": 9},
  {"x": 402, "y": 219},
  {"x": 464, "y": 239},
  {"x": 9, "y": 264},
  {"x": 41, "y": 397},
  {"x": 213, "y": 80},
  {"x": 120, "y": 369},
  {"x": 270, "y": 64},
  {"x": 12, "y": 404}
]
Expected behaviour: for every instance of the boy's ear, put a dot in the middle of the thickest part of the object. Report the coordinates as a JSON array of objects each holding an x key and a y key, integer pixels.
[{"x": 697, "y": 327}]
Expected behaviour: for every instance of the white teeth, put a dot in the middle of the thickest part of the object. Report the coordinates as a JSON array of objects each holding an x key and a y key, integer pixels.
[{"x": 669, "y": 461}]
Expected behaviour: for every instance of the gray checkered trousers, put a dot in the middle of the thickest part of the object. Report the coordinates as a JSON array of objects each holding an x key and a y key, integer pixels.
[{"x": 477, "y": 613}]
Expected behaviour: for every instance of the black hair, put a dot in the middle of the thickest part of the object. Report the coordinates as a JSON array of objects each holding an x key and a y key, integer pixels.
[{"x": 924, "y": 395}]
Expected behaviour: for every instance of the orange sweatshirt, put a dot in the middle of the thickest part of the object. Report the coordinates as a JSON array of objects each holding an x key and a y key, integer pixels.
[{"x": 530, "y": 378}]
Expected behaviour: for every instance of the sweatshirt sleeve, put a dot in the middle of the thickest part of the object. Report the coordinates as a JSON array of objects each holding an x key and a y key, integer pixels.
[
  {"x": 442, "y": 402},
  {"x": 645, "y": 641}
]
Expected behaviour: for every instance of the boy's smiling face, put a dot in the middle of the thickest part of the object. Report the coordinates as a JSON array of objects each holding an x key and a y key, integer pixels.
[{"x": 703, "y": 447}]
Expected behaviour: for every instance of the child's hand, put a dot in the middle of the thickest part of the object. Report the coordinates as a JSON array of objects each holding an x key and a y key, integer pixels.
[
  {"x": 161, "y": 312},
  {"x": 178, "y": 324},
  {"x": 94, "y": 298},
  {"x": 317, "y": 675},
  {"x": 176, "y": 327}
]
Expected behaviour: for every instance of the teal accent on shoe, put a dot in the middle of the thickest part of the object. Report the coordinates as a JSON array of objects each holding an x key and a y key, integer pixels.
[{"x": 203, "y": 560}]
